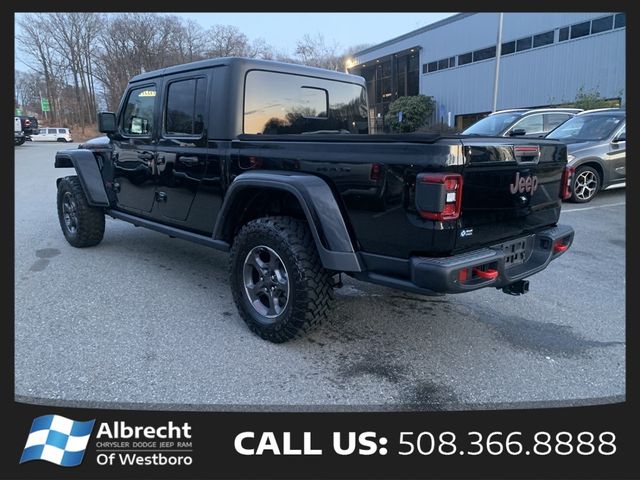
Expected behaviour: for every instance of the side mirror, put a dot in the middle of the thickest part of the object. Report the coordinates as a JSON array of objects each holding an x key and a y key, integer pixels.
[
  {"x": 517, "y": 132},
  {"x": 107, "y": 122}
]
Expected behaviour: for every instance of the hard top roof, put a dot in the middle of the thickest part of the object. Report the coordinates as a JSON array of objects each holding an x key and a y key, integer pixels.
[{"x": 251, "y": 63}]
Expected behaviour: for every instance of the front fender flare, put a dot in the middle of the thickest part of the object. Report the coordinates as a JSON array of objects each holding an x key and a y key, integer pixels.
[
  {"x": 86, "y": 165},
  {"x": 320, "y": 208}
]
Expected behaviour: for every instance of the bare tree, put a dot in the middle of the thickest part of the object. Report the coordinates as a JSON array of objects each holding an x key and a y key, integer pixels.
[
  {"x": 134, "y": 43},
  {"x": 27, "y": 90},
  {"x": 315, "y": 52},
  {"x": 226, "y": 41},
  {"x": 33, "y": 40},
  {"x": 191, "y": 45}
]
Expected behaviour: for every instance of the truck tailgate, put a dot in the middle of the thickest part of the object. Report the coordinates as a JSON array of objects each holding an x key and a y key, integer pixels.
[{"x": 511, "y": 187}]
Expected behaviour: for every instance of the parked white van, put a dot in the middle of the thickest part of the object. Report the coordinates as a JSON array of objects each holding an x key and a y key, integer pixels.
[{"x": 51, "y": 134}]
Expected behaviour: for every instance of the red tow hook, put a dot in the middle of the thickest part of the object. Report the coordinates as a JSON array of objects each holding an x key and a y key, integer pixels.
[{"x": 491, "y": 273}]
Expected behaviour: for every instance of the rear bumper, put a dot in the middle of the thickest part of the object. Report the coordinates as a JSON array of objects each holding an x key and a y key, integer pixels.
[
  {"x": 440, "y": 275},
  {"x": 443, "y": 274}
]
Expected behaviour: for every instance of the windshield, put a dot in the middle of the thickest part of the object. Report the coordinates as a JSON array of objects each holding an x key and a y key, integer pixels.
[
  {"x": 585, "y": 128},
  {"x": 493, "y": 124}
]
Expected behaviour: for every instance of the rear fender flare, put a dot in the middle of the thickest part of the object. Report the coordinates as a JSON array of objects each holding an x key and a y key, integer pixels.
[{"x": 320, "y": 208}]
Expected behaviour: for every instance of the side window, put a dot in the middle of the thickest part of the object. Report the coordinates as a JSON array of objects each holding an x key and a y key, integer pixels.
[
  {"x": 531, "y": 124},
  {"x": 52, "y": 131},
  {"x": 62, "y": 130},
  {"x": 552, "y": 120},
  {"x": 138, "y": 113},
  {"x": 185, "y": 108},
  {"x": 622, "y": 134},
  {"x": 279, "y": 103}
]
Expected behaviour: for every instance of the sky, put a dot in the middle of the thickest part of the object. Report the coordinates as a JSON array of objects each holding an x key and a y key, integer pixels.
[{"x": 282, "y": 29}]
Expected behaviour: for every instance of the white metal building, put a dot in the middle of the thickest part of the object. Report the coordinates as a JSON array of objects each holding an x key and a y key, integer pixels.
[{"x": 546, "y": 58}]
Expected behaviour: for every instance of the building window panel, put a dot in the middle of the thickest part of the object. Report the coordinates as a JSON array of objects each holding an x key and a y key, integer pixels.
[
  {"x": 580, "y": 29},
  {"x": 452, "y": 62},
  {"x": 442, "y": 64},
  {"x": 563, "y": 34},
  {"x": 543, "y": 39},
  {"x": 413, "y": 63},
  {"x": 402, "y": 85},
  {"x": 621, "y": 20},
  {"x": 508, "y": 47},
  {"x": 432, "y": 67},
  {"x": 602, "y": 24},
  {"x": 413, "y": 83},
  {"x": 484, "y": 54},
  {"x": 386, "y": 68},
  {"x": 465, "y": 58},
  {"x": 523, "y": 44}
]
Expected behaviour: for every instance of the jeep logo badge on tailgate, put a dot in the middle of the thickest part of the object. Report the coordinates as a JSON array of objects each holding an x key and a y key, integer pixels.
[{"x": 524, "y": 184}]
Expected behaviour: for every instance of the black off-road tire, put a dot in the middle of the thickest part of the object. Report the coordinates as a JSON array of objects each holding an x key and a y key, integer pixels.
[
  {"x": 585, "y": 175},
  {"x": 88, "y": 220},
  {"x": 310, "y": 285}
]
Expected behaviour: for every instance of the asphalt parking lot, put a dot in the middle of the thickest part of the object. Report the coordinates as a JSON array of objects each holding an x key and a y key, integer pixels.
[{"x": 146, "y": 321}]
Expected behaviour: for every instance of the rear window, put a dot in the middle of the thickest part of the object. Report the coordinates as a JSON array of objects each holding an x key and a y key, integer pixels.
[
  {"x": 62, "y": 130},
  {"x": 185, "y": 107},
  {"x": 281, "y": 103}
]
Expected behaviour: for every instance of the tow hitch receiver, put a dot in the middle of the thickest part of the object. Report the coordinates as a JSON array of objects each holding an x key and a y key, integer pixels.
[{"x": 518, "y": 288}]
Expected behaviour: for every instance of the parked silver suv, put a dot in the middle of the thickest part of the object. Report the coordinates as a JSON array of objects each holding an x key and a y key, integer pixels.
[
  {"x": 596, "y": 146},
  {"x": 521, "y": 122}
]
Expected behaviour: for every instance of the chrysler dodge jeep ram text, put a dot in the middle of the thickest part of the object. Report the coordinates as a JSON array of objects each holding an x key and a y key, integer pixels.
[{"x": 273, "y": 163}]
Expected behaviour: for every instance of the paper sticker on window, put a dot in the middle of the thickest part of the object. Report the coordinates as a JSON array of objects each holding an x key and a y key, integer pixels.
[
  {"x": 136, "y": 125},
  {"x": 147, "y": 93}
]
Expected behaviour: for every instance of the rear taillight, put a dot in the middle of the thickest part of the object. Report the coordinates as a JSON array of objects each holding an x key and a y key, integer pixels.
[
  {"x": 376, "y": 172},
  {"x": 561, "y": 245},
  {"x": 439, "y": 196},
  {"x": 567, "y": 178}
]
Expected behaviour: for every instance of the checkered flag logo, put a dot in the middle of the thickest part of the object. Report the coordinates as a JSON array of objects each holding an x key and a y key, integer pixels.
[{"x": 57, "y": 440}]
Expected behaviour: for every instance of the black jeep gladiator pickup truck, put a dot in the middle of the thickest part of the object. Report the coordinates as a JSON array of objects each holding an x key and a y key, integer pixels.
[{"x": 273, "y": 162}]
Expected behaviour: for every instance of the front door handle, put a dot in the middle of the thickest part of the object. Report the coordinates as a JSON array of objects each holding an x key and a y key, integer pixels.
[
  {"x": 145, "y": 156},
  {"x": 189, "y": 160}
]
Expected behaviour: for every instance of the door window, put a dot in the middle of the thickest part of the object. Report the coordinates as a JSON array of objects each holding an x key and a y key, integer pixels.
[
  {"x": 531, "y": 125},
  {"x": 185, "y": 107},
  {"x": 552, "y": 120},
  {"x": 138, "y": 113},
  {"x": 52, "y": 131}
]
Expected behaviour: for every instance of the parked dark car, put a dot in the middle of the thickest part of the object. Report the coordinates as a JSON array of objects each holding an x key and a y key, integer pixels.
[
  {"x": 521, "y": 122},
  {"x": 596, "y": 144},
  {"x": 29, "y": 125},
  {"x": 273, "y": 163}
]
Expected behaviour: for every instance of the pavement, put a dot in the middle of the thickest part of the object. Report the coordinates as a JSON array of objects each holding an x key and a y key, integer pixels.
[{"x": 146, "y": 321}]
